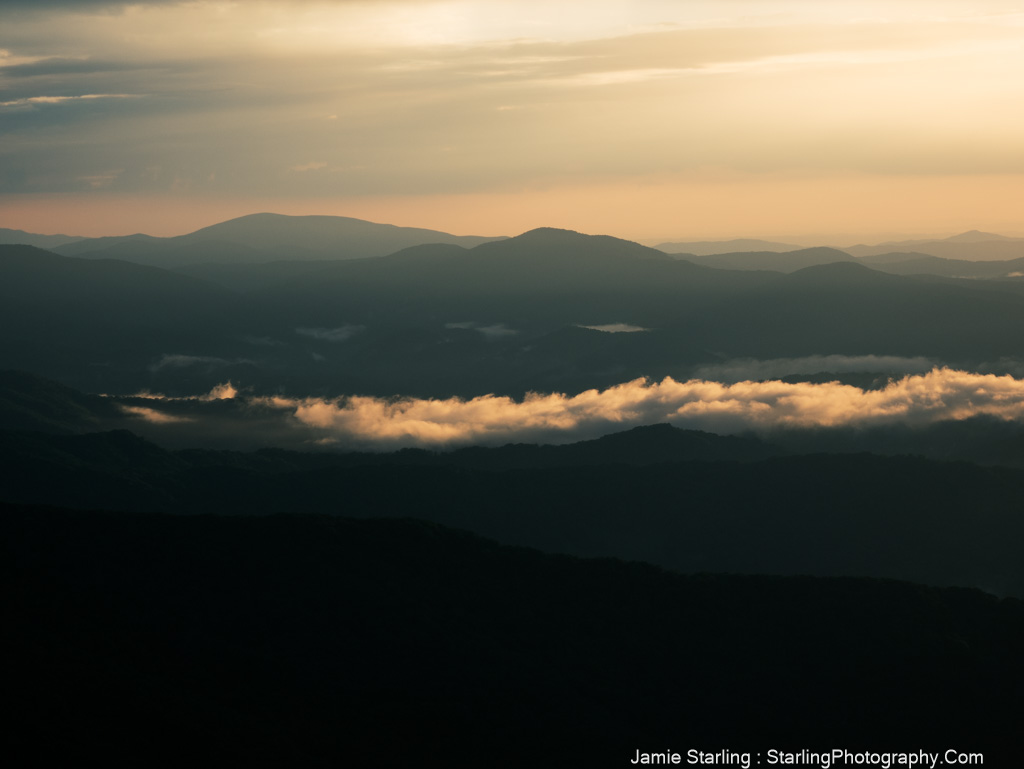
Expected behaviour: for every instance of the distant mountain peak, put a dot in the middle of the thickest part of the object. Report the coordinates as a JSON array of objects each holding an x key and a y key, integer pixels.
[
  {"x": 266, "y": 237},
  {"x": 551, "y": 232},
  {"x": 976, "y": 236},
  {"x": 566, "y": 242}
]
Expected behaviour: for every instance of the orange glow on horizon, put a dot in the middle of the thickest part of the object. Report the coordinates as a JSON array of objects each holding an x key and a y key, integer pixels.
[{"x": 862, "y": 207}]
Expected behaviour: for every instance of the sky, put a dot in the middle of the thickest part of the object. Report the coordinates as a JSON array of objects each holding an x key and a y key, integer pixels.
[{"x": 837, "y": 122}]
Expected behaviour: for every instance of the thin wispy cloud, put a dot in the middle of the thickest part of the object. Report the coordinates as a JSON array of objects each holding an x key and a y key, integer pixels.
[
  {"x": 153, "y": 416},
  {"x": 185, "y": 361},
  {"x": 617, "y": 328},
  {"x": 42, "y": 100},
  {"x": 407, "y": 101},
  {"x": 491, "y": 331},
  {"x": 314, "y": 166},
  {"x": 339, "y": 334}
]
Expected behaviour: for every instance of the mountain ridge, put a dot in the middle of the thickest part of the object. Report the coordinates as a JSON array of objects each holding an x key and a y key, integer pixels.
[{"x": 264, "y": 237}]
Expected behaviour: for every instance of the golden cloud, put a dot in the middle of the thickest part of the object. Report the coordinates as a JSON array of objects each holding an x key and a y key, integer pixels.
[{"x": 939, "y": 395}]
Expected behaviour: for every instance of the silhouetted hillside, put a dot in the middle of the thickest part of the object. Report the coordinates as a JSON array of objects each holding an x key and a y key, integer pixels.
[
  {"x": 709, "y": 247},
  {"x": 90, "y": 321},
  {"x": 506, "y": 317},
  {"x": 328, "y": 641},
  {"x": 29, "y": 402},
  {"x": 860, "y": 311},
  {"x": 897, "y": 263},
  {"x": 31, "y": 239},
  {"x": 638, "y": 495},
  {"x": 788, "y": 261},
  {"x": 82, "y": 246},
  {"x": 951, "y": 268},
  {"x": 970, "y": 246},
  {"x": 266, "y": 237},
  {"x": 539, "y": 277}
]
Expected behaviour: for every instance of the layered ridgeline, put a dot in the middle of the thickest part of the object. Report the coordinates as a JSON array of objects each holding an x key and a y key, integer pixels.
[
  {"x": 549, "y": 310},
  {"x": 894, "y": 263},
  {"x": 335, "y": 633},
  {"x": 967, "y": 246},
  {"x": 972, "y": 245},
  {"x": 682, "y": 499},
  {"x": 967, "y": 255},
  {"x": 9, "y": 236},
  {"x": 264, "y": 238}
]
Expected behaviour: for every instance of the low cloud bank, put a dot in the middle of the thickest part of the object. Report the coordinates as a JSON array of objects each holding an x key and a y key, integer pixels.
[
  {"x": 919, "y": 400},
  {"x": 941, "y": 394}
]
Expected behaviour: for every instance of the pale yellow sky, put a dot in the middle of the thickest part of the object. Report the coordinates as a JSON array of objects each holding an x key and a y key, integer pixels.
[{"x": 648, "y": 120}]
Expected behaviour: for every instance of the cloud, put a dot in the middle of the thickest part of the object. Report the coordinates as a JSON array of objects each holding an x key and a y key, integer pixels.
[
  {"x": 340, "y": 334},
  {"x": 99, "y": 181},
  {"x": 224, "y": 391},
  {"x": 491, "y": 332},
  {"x": 917, "y": 400},
  {"x": 221, "y": 392},
  {"x": 497, "y": 331},
  {"x": 421, "y": 94},
  {"x": 234, "y": 418},
  {"x": 182, "y": 361},
  {"x": 316, "y": 165},
  {"x": 31, "y": 101},
  {"x": 57, "y": 65},
  {"x": 153, "y": 416},
  {"x": 616, "y": 328}
]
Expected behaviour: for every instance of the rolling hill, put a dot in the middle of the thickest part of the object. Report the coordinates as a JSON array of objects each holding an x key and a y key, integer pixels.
[
  {"x": 266, "y": 237},
  {"x": 969, "y": 246}
]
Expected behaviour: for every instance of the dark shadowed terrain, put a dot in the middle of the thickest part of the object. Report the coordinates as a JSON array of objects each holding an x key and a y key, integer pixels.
[
  {"x": 212, "y": 550},
  {"x": 320, "y": 640}
]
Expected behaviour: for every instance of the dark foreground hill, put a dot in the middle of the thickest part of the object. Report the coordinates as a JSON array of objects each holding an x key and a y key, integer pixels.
[
  {"x": 29, "y": 402},
  {"x": 938, "y": 523},
  {"x": 314, "y": 641}
]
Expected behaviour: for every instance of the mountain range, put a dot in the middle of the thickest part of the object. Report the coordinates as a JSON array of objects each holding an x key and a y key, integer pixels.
[
  {"x": 264, "y": 238},
  {"x": 973, "y": 245},
  {"x": 969, "y": 246},
  {"x": 736, "y": 245},
  {"x": 20, "y": 237},
  {"x": 522, "y": 314},
  {"x": 213, "y": 544}
]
